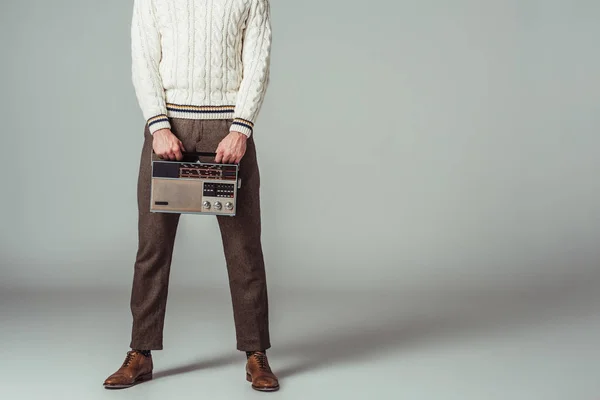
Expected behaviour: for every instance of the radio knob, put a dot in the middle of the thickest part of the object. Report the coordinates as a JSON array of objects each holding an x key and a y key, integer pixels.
[
  {"x": 217, "y": 205},
  {"x": 229, "y": 206},
  {"x": 206, "y": 204}
]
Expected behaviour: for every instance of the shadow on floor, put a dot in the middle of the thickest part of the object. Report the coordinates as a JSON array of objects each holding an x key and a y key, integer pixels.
[
  {"x": 205, "y": 364},
  {"x": 381, "y": 323},
  {"x": 390, "y": 324}
]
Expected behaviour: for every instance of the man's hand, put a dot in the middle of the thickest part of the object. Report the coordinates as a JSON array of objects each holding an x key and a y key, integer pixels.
[
  {"x": 166, "y": 145},
  {"x": 232, "y": 148}
]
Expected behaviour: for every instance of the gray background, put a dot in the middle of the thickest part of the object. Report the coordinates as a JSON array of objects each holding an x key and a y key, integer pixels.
[{"x": 429, "y": 167}]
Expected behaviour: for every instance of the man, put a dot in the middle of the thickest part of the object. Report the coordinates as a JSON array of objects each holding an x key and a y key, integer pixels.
[{"x": 200, "y": 72}]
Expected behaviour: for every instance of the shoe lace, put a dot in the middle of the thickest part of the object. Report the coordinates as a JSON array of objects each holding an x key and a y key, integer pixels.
[
  {"x": 261, "y": 358},
  {"x": 129, "y": 358}
]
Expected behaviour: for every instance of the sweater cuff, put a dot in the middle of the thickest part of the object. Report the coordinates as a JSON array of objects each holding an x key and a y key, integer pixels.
[
  {"x": 243, "y": 126},
  {"x": 158, "y": 122}
]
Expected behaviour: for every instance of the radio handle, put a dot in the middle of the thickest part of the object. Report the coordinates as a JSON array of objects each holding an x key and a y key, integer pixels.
[{"x": 198, "y": 154}]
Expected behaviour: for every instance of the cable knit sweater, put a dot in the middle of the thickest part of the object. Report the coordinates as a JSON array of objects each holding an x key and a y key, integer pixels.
[{"x": 201, "y": 59}]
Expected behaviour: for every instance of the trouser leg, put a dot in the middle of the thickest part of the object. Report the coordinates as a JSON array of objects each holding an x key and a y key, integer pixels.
[
  {"x": 156, "y": 238},
  {"x": 241, "y": 237}
]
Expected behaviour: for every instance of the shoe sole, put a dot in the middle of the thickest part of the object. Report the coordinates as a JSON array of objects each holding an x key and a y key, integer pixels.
[
  {"x": 261, "y": 389},
  {"x": 140, "y": 379}
]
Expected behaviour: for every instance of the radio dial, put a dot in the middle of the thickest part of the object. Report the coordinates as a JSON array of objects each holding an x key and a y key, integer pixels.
[
  {"x": 229, "y": 206},
  {"x": 218, "y": 205},
  {"x": 206, "y": 204}
]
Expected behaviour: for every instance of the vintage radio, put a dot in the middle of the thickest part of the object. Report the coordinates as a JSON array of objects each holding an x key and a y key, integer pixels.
[{"x": 192, "y": 186}]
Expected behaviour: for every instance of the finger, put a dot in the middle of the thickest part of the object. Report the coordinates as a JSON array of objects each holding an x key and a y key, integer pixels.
[
  {"x": 178, "y": 154},
  {"x": 181, "y": 146},
  {"x": 175, "y": 149},
  {"x": 232, "y": 157},
  {"x": 238, "y": 158},
  {"x": 219, "y": 156}
]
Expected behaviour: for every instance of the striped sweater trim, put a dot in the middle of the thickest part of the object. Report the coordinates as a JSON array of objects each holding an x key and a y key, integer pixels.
[
  {"x": 243, "y": 122},
  {"x": 157, "y": 119},
  {"x": 200, "y": 112},
  {"x": 199, "y": 109},
  {"x": 209, "y": 112}
]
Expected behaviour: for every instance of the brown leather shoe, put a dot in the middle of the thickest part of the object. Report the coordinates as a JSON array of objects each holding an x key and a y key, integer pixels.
[
  {"x": 136, "y": 368},
  {"x": 259, "y": 373}
]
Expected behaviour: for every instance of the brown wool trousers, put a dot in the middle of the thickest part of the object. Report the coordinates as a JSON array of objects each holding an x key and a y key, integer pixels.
[{"x": 241, "y": 243}]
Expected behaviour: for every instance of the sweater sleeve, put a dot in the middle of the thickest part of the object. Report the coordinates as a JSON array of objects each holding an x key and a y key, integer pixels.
[
  {"x": 256, "y": 50},
  {"x": 145, "y": 57}
]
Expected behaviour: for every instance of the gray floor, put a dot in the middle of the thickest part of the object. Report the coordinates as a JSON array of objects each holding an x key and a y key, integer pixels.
[{"x": 528, "y": 342}]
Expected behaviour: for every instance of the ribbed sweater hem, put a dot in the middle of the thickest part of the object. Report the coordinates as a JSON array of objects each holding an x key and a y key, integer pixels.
[
  {"x": 200, "y": 112},
  {"x": 158, "y": 122},
  {"x": 211, "y": 112}
]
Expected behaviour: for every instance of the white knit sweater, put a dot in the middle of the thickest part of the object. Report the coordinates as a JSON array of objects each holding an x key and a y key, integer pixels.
[{"x": 201, "y": 59}]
